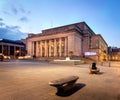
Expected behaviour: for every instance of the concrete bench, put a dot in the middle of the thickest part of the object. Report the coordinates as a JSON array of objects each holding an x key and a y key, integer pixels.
[
  {"x": 94, "y": 71},
  {"x": 64, "y": 84}
]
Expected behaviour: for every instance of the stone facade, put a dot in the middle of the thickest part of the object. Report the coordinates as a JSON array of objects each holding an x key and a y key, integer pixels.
[
  {"x": 99, "y": 46},
  {"x": 69, "y": 40}
]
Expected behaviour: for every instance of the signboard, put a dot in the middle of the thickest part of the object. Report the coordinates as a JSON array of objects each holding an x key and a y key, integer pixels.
[{"x": 90, "y": 53}]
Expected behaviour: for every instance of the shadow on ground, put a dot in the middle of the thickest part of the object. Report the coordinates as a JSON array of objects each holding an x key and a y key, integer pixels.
[
  {"x": 99, "y": 73},
  {"x": 118, "y": 97},
  {"x": 72, "y": 91}
]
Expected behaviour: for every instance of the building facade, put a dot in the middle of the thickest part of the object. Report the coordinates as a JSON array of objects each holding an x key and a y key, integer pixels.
[
  {"x": 114, "y": 53},
  {"x": 12, "y": 49},
  {"x": 69, "y": 40},
  {"x": 100, "y": 47}
]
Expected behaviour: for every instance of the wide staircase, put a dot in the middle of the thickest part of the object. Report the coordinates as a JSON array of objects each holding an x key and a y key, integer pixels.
[
  {"x": 88, "y": 60},
  {"x": 84, "y": 60}
]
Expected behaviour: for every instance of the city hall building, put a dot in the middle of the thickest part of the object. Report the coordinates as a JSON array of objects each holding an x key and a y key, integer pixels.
[{"x": 74, "y": 40}]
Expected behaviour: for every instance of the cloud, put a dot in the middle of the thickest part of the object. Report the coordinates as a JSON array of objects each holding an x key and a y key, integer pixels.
[
  {"x": 10, "y": 8},
  {"x": 2, "y": 24},
  {"x": 23, "y": 19},
  {"x": 6, "y": 13},
  {"x": 12, "y": 32},
  {"x": 13, "y": 28},
  {"x": 14, "y": 9},
  {"x": 28, "y": 12},
  {"x": 1, "y": 19},
  {"x": 17, "y": 12},
  {"x": 22, "y": 10}
]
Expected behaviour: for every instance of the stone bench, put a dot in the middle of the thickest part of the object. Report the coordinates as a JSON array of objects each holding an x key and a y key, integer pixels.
[
  {"x": 94, "y": 71},
  {"x": 64, "y": 84}
]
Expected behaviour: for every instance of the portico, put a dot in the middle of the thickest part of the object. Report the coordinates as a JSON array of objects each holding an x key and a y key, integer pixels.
[{"x": 49, "y": 47}]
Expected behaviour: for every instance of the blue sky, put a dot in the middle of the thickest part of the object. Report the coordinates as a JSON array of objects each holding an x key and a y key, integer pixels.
[{"x": 20, "y": 17}]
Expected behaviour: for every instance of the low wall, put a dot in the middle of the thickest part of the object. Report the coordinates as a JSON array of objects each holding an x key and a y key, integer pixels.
[
  {"x": 110, "y": 64},
  {"x": 70, "y": 62}
]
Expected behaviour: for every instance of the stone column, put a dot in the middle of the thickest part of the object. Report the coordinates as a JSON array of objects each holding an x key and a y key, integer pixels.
[
  {"x": 8, "y": 50},
  {"x": 60, "y": 43},
  {"x": 49, "y": 48},
  {"x": 19, "y": 51},
  {"x": 29, "y": 48},
  {"x": 46, "y": 48},
  {"x": 2, "y": 48},
  {"x": 32, "y": 48},
  {"x": 36, "y": 48},
  {"x": 41, "y": 48},
  {"x": 55, "y": 48},
  {"x": 66, "y": 47},
  {"x": 14, "y": 51}
]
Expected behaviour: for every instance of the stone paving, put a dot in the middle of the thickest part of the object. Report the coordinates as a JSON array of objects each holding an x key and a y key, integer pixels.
[{"x": 28, "y": 80}]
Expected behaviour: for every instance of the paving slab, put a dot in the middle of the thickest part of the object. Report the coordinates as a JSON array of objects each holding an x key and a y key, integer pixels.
[{"x": 28, "y": 80}]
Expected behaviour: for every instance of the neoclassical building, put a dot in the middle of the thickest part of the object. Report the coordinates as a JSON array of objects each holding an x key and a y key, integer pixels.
[{"x": 69, "y": 40}]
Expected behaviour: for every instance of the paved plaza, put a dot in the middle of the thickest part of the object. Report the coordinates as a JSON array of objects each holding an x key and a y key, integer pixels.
[{"x": 28, "y": 80}]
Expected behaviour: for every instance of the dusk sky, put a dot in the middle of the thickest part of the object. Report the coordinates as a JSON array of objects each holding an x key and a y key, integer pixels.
[{"x": 20, "y": 17}]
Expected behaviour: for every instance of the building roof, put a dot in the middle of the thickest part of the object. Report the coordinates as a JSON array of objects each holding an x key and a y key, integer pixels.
[
  {"x": 11, "y": 41},
  {"x": 81, "y": 27},
  {"x": 77, "y": 26},
  {"x": 101, "y": 38}
]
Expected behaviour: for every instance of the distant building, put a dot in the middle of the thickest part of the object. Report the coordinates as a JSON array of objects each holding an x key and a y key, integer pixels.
[
  {"x": 23, "y": 40},
  {"x": 114, "y": 53},
  {"x": 74, "y": 40},
  {"x": 12, "y": 49}
]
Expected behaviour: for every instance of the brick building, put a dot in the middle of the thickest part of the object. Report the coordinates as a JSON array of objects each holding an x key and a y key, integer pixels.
[{"x": 70, "y": 40}]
